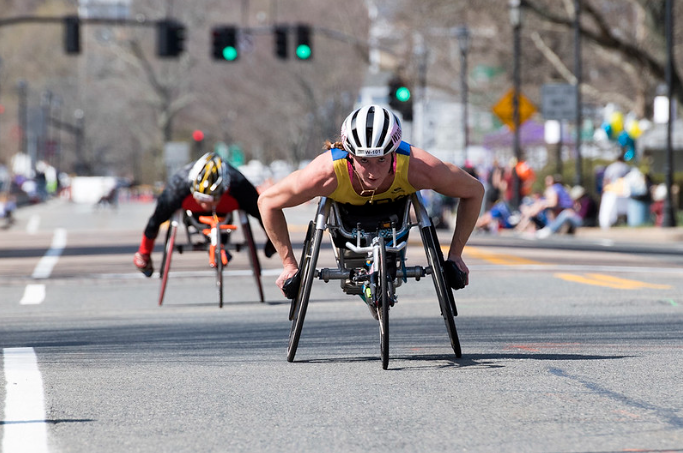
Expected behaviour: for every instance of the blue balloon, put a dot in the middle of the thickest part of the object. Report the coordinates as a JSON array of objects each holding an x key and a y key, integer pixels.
[
  {"x": 608, "y": 130},
  {"x": 629, "y": 154},
  {"x": 625, "y": 140}
]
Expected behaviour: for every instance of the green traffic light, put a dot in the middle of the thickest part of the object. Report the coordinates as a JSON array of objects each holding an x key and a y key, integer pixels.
[
  {"x": 230, "y": 53},
  {"x": 403, "y": 94},
  {"x": 303, "y": 52}
]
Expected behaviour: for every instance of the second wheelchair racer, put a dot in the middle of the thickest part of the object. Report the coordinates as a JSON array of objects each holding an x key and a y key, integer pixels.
[
  {"x": 199, "y": 187},
  {"x": 371, "y": 163}
]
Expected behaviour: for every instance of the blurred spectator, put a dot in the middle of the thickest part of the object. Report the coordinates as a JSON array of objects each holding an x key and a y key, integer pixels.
[
  {"x": 614, "y": 171},
  {"x": 539, "y": 213},
  {"x": 657, "y": 206},
  {"x": 7, "y": 207},
  {"x": 494, "y": 186},
  {"x": 526, "y": 177},
  {"x": 500, "y": 216},
  {"x": 638, "y": 205},
  {"x": 583, "y": 213}
]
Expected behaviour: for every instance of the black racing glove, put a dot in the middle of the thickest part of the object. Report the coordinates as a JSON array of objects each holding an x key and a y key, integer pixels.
[
  {"x": 454, "y": 276},
  {"x": 291, "y": 286}
]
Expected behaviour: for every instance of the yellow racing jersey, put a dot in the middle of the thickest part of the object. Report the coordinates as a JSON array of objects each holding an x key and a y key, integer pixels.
[{"x": 344, "y": 192}]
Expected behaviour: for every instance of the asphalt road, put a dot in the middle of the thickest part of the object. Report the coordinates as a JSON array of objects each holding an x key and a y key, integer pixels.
[{"x": 564, "y": 350}]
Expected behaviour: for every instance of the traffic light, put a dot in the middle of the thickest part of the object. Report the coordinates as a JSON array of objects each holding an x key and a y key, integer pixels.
[
  {"x": 170, "y": 38},
  {"x": 197, "y": 135},
  {"x": 400, "y": 98},
  {"x": 72, "y": 35},
  {"x": 281, "y": 34},
  {"x": 304, "y": 45},
  {"x": 224, "y": 43},
  {"x": 197, "y": 143}
]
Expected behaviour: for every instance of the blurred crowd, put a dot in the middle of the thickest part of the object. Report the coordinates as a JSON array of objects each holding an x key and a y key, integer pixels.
[{"x": 623, "y": 194}]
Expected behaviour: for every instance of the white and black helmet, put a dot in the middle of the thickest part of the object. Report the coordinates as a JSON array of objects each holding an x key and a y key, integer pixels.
[{"x": 371, "y": 131}]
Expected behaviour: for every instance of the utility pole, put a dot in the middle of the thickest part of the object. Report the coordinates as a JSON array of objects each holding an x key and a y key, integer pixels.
[
  {"x": 669, "y": 217},
  {"x": 22, "y": 88},
  {"x": 578, "y": 180},
  {"x": 463, "y": 35},
  {"x": 516, "y": 22}
]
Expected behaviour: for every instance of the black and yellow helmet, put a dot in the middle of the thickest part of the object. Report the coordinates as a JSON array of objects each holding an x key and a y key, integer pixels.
[{"x": 209, "y": 178}]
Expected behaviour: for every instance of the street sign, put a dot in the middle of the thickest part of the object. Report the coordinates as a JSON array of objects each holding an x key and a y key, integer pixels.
[
  {"x": 558, "y": 101},
  {"x": 504, "y": 109}
]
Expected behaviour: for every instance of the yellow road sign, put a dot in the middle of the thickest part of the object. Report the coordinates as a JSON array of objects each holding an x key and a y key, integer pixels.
[{"x": 504, "y": 109}]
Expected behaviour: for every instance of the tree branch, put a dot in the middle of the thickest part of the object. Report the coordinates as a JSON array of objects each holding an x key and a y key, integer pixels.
[{"x": 605, "y": 38}]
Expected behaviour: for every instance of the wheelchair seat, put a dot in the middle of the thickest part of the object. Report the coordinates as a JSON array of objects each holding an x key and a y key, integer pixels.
[{"x": 370, "y": 220}]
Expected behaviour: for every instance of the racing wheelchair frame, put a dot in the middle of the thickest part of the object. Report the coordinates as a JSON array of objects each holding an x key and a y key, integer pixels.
[
  {"x": 214, "y": 233},
  {"x": 370, "y": 257}
]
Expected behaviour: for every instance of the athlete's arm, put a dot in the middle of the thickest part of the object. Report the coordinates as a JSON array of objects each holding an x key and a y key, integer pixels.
[
  {"x": 428, "y": 172},
  {"x": 316, "y": 179}
]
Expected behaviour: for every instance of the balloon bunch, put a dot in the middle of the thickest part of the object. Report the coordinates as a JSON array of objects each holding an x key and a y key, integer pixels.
[{"x": 624, "y": 130}]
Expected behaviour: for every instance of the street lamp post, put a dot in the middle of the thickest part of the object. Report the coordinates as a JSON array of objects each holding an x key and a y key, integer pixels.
[
  {"x": 577, "y": 69},
  {"x": 516, "y": 22},
  {"x": 22, "y": 90},
  {"x": 463, "y": 35}
]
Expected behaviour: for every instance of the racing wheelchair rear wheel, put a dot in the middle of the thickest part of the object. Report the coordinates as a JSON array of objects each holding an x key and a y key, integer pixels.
[
  {"x": 169, "y": 245},
  {"x": 443, "y": 292}
]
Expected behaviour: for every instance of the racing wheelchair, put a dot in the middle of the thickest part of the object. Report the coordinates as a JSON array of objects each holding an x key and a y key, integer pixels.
[
  {"x": 209, "y": 233},
  {"x": 369, "y": 249}
]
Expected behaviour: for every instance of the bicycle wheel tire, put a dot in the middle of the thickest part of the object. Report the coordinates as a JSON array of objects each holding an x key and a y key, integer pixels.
[
  {"x": 383, "y": 298},
  {"x": 443, "y": 292},
  {"x": 166, "y": 260},
  {"x": 219, "y": 274},
  {"x": 307, "y": 268},
  {"x": 253, "y": 256}
]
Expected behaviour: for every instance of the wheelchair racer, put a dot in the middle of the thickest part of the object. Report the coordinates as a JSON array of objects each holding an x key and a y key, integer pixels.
[
  {"x": 199, "y": 187},
  {"x": 370, "y": 163}
]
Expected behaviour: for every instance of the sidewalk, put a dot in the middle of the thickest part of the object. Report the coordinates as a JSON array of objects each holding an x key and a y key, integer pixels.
[{"x": 648, "y": 235}]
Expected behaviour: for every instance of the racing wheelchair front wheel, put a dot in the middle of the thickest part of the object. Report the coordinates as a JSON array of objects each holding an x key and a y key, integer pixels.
[
  {"x": 443, "y": 292},
  {"x": 384, "y": 294},
  {"x": 307, "y": 263},
  {"x": 219, "y": 273}
]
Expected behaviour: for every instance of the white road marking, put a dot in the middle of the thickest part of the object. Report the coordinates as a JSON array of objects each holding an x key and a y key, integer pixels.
[
  {"x": 24, "y": 424},
  {"x": 32, "y": 225},
  {"x": 34, "y": 294},
  {"x": 47, "y": 262}
]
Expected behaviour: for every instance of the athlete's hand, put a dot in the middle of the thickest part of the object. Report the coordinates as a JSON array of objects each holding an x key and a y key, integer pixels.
[
  {"x": 289, "y": 281},
  {"x": 456, "y": 277}
]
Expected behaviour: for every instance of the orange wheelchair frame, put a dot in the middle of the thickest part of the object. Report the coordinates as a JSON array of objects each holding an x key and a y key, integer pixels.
[{"x": 215, "y": 233}]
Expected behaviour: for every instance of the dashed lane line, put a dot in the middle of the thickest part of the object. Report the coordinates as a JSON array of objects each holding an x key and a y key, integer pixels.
[
  {"x": 33, "y": 223},
  {"x": 24, "y": 424},
  {"x": 34, "y": 293},
  {"x": 47, "y": 262}
]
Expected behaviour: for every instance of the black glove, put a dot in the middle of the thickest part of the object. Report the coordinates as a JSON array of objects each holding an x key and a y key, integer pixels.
[
  {"x": 291, "y": 286},
  {"x": 454, "y": 276}
]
